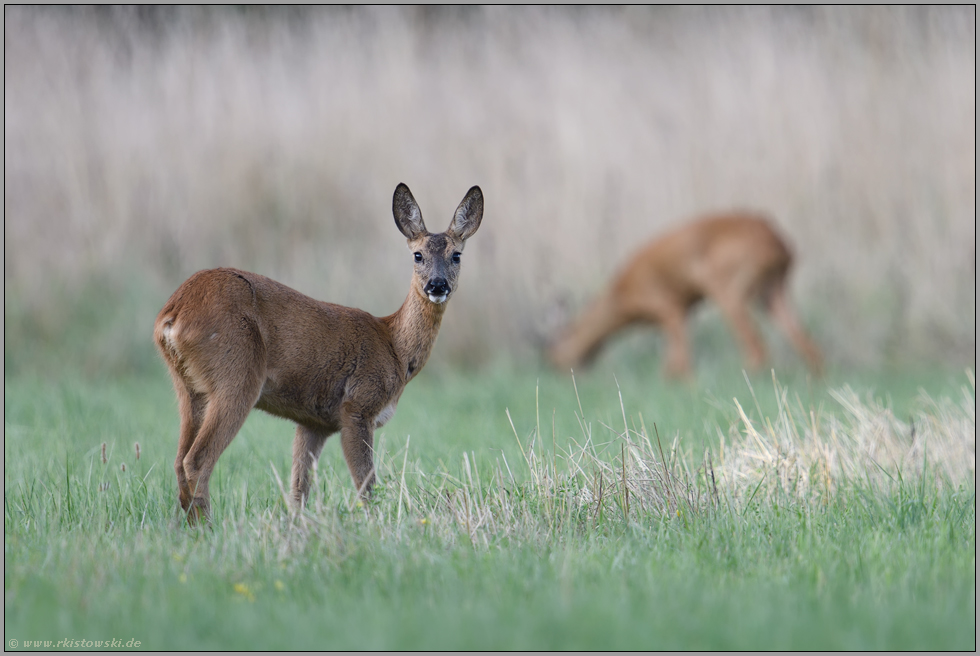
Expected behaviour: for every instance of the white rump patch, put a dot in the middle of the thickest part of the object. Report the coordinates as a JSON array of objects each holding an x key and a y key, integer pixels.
[
  {"x": 385, "y": 415},
  {"x": 191, "y": 375},
  {"x": 170, "y": 337}
]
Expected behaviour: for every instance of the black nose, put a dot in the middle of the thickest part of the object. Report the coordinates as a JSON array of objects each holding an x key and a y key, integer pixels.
[{"x": 437, "y": 287}]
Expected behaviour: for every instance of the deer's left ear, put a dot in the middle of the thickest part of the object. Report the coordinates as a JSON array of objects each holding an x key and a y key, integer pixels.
[{"x": 468, "y": 215}]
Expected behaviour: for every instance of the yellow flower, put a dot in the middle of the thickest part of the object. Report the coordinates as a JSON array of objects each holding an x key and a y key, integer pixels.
[
  {"x": 244, "y": 591},
  {"x": 182, "y": 578},
  {"x": 280, "y": 586}
]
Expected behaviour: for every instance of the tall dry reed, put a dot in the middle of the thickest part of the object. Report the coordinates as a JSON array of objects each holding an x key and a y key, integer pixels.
[{"x": 144, "y": 144}]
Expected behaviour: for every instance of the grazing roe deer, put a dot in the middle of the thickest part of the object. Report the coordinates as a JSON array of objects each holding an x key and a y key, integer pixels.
[
  {"x": 730, "y": 258},
  {"x": 235, "y": 340}
]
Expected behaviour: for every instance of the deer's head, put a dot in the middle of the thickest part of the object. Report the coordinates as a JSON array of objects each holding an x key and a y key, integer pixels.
[{"x": 437, "y": 256}]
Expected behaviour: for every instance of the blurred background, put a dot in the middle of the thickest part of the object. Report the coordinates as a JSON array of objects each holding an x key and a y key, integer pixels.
[{"x": 144, "y": 144}]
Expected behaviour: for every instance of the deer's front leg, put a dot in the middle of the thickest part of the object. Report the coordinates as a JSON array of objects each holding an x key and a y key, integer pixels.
[
  {"x": 357, "y": 440},
  {"x": 306, "y": 451}
]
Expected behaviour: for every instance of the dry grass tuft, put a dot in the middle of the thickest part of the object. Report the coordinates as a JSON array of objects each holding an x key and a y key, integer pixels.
[
  {"x": 809, "y": 452},
  {"x": 630, "y": 477}
]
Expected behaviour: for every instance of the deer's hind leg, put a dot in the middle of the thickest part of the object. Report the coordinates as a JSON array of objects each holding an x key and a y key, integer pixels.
[
  {"x": 231, "y": 387},
  {"x": 226, "y": 411},
  {"x": 191, "y": 406},
  {"x": 734, "y": 292},
  {"x": 736, "y": 311},
  {"x": 783, "y": 316}
]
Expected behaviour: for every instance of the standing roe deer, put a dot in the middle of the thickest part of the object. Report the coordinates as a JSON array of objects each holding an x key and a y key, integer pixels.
[
  {"x": 730, "y": 258},
  {"x": 235, "y": 340}
]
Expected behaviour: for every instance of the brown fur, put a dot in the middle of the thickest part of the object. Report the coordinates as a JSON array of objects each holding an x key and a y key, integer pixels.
[
  {"x": 729, "y": 258},
  {"x": 235, "y": 340}
]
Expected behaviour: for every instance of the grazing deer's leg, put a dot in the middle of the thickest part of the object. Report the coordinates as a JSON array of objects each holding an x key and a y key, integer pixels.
[
  {"x": 225, "y": 414},
  {"x": 736, "y": 311},
  {"x": 672, "y": 319},
  {"x": 306, "y": 451},
  {"x": 357, "y": 440},
  {"x": 677, "y": 362},
  {"x": 191, "y": 406},
  {"x": 784, "y": 317}
]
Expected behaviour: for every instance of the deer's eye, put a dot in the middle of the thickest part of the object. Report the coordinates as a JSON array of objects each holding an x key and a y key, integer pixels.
[
  {"x": 456, "y": 258},
  {"x": 418, "y": 258}
]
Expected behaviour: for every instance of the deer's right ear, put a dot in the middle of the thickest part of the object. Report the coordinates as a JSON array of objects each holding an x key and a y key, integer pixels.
[{"x": 408, "y": 216}]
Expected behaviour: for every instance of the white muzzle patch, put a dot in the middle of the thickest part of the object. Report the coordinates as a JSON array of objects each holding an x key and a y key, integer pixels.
[{"x": 438, "y": 299}]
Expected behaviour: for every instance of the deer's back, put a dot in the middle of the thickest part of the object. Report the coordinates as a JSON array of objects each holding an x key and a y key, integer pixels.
[{"x": 685, "y": 263}]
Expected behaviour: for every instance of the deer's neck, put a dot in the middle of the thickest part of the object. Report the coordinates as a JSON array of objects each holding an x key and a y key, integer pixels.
[{"x": 414, "y": 328}]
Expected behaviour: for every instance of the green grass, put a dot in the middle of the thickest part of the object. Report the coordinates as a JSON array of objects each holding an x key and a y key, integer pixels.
[{"x": 873, "y": 562}]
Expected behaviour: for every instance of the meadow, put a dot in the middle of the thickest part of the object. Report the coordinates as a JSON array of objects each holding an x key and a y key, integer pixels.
[
  {"x": 517, "y": 507},
  {"x": 516, "y": 510}
]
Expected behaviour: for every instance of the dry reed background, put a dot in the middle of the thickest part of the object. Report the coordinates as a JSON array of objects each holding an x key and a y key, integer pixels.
[{"x": 141, "y": 145}]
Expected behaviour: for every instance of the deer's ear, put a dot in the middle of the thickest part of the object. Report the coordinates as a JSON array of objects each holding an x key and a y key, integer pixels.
[
  {"x": 408, "y": 216},
  {"x": 468, "y": 215}
]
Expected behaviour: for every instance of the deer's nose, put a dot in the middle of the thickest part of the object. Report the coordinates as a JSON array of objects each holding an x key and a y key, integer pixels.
[{"x": 437, "y": 287}]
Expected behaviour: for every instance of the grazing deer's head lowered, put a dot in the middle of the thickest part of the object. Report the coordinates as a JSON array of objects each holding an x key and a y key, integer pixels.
[
  {"x": 732, "y": 258},
  {"x": 235, "y": 340}
]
